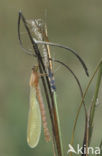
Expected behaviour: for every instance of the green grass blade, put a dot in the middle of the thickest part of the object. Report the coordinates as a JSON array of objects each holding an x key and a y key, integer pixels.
[
  {"x": 58, "y": 120},
  {"x": 93, "y": 105},
  {"x": 76, "y": 119}
]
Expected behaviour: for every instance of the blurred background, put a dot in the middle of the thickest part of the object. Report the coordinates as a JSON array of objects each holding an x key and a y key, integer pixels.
[{"x": 77, "y": 24}]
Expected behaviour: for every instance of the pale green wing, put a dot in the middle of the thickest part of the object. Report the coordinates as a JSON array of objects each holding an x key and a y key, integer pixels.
[{"x": 34, "y": 120}]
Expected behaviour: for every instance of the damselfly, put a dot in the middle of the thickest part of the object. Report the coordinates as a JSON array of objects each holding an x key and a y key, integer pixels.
[
  {"x": 36, "y": 112},
  {"x": 39, "y": 29}
]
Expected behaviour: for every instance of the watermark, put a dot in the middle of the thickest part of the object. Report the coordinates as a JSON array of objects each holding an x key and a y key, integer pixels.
[{"x": 84, "y": 150}]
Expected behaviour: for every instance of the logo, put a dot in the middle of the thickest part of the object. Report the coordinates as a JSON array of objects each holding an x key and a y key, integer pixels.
[{"x": 84, "y": 150}]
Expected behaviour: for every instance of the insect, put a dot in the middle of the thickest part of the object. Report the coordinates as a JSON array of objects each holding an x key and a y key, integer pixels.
[
  {"x": 39, "y": 29},
  {"x": 36, "y": 112}
]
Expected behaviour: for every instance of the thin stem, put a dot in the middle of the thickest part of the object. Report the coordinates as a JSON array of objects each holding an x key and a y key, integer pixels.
[
  {"x": 93, "y": 105},
  {"x": 91, "y": 114},
  {"x": 67, "y": 48},
  {"x": 73, "y": 131},
  {"x": 58, "y": 120}
]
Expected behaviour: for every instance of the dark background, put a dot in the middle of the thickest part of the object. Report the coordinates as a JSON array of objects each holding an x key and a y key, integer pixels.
[{"x": 77, "y": 24}]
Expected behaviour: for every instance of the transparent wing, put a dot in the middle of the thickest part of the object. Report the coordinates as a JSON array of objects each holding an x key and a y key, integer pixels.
[{"x": 34, "y": 120}]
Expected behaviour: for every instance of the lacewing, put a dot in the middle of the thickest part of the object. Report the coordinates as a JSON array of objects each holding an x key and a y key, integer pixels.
[{"x": 36, "y": 112}]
